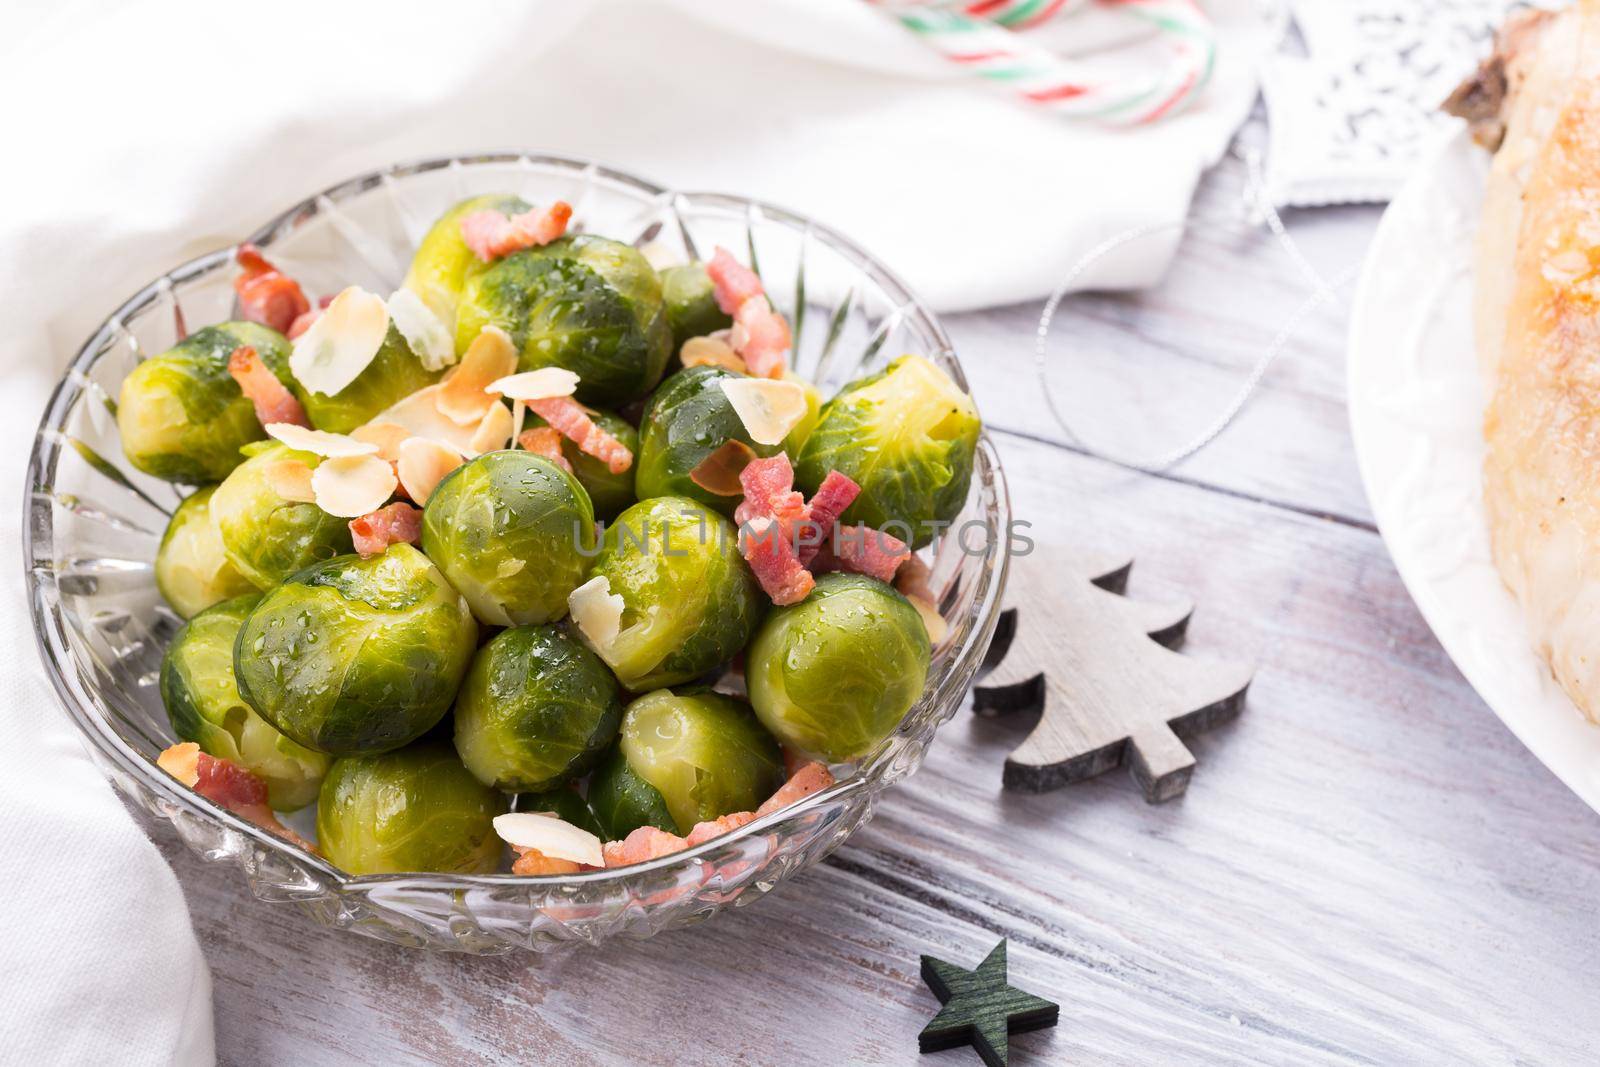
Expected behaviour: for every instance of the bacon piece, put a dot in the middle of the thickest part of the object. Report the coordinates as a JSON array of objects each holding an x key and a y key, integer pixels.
[
  {"x": 272, "y": 399},
  {"x": 645, "y": 843},
  {"x": 392, "y": 524},
  {"x": 734, "y": 282},
  {"x": 303, "y": 321},
  {"x": 793, "y": 760},
  {"x": 770, "y": 551},
  {"x": 811, "y": 778},
  {"x": 719, "y": 472},
  {"x": 492, "y": 235},
  {"x": 545, "y": 441},
  {"x": 571, "y": 421},
  {"x": 769, "y": 492},
  {"x": 531, "y": 861},
  {"x": 863, "y": 550},
  {"x": 705, "y": 831},
  {"x": 227, "y": 785},
  {"x": 266, "y": 294},
  {"x": 761, "y": 338},
  {"x": 836, "y": 493}
]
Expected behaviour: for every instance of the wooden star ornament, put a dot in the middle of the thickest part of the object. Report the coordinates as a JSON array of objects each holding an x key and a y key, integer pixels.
[{"x": 981, "y": 1008}]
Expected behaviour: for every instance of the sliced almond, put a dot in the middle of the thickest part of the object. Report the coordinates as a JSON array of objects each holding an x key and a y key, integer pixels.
[
  {"x": 422, "y": 466},
  {"x": 541, "y": 384},
  {"x": 388, "y": 436},
  {"x": 419, "y": 413},
  {"x": 182, "y": 761},
  {"x": 341, "y": 343},
  {"x": 711, "y": 351},
  {"x": 494, "y": 432},
  {"x": 462, "y": 396},
  {"x": 425, "y": 332},
  {"x": 351, "y": 486},
  {"x": 550, "y": 836},
  {"x": 719, "y": 472},
  {"x": 291, "y": 479},
  {"x": 769, "y": 408},
  {"x": 597, "y": 611},
  {"x": 319, "y": 442}
]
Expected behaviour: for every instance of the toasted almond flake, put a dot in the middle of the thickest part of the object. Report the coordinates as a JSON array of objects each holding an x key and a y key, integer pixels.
[
  {"x": 494, "y": 431},
  {"x": 319, "y": 442},
  {"x": 937, "y": 627},
  {"x": 341, "y": 343},
  {"x": 388, "y": 436},
  {"x": 538, "y": 384},
  {"x": 597, "y": 611},
  {"x": 291, "y": 479},
  {"x": 713, "y": 351},
  {"x": 419, "y": 413},
  {"x": 182, "y": 761},
  {"x": 462, "y": 395},
  {"x": 422, "y": 466},
  {"x": 550, "y": 837},
  {"x": 769, "y": 408},
  {"x": 424, "y": 331},
  {"x": 351, "y": 486},
  {"x": 719, "y": 472}
]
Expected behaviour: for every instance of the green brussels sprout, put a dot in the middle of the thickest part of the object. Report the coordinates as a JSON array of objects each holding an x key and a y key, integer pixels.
[
  {"x": 688, "y": 418},
  {"x": 192, "y": 571},
  {"x": 691, "y": 301},
  {"x": 622, "y": 801},
  {"x": 535, "y": 711},
  {"x": 588, "y": 304},
  {"x": 701, "y": 754},
  {"x": 443, "y": 260},
  {"x": 266, "y": 536},
  {"x": 357, "y": 656},
  {"x": 796, "y": 438},
  {"x": 203, "y": 702},
  {"x": 181, "y": 415},
  {"x": 907, "y": 436},
  {"x": 689, "y": 599},
  {"x": 394, "y": 373},
  {"x": 417, "y": 809},
  {"x": 566, "y": 804},
  {"x": 834, "y": 674},
  {"x": 514, "y": 533},
  {"x": 609, "y": 493}
]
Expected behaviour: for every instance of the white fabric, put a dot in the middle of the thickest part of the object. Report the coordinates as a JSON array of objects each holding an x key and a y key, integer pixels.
[{"x": 138, "y": 134}]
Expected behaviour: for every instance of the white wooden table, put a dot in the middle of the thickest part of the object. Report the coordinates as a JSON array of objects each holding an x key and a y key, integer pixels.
[{"x": 1367, "y": 869}]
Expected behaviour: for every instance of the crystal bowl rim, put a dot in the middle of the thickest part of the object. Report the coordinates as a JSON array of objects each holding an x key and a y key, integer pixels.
[{"x": 48, "y": 633}]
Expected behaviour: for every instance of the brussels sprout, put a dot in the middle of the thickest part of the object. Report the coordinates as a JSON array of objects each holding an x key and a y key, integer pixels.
[
  {"x": 197, "y": 686},
  {"x": 689, "y": 599},
  {"x": 688, "y": 418},
  {"x": 417, "y": 809},
  {"x": 514, "y": 533},
  {"x": 357, "y": 656},
  {"x": 834, "y": 674},
  {"x": 699, "y": 754},
  {"x": 565, "y": 804},
  {"x": 264, "y": 535},
  {"x": 181, "y": 415},
  {"x": 907, "y": 435},
  {"x": 691, "y": 301},
  {"x": 588, "y": 304},
  {"x": 394, "y": 373},
  {"x": 535, "y": 711},
  {"x": 443, "y": 259},
  {"x": 192, "y": 571},
  {"x": 609, "y": 493},
  {"x": 795, "y": 440}
]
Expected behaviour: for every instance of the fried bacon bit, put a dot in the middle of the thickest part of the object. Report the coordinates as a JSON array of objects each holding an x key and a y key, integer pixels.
[
  {"x": 811, "y": 778},
  {"x": 863, "y": 550},
  {"x": 761, "y": 337},
  {"x": 571, "y": 421},
  {"x": 705, "y": 831},
  {"x": 530, "y": 861},
  {"x": 770, "y": 551},
  {"x": 735, "y": 283},
  {"x": 545, "y": 441},
  {"x": 644, "y": 844},
  {"x": 272, "y": 399},
  {"x": 227, "y": 785},
  {"x": 303, "y": 321},
  {"x": 719, "y": 472},
  {"x": 266, "y": 294},
  {"x": 712, "y": 350},
  {"x": 836, "y": 493},
  {"x": 392, "y": 524},
  {"x": 769, "y": 492},
  {"x": 492, "y": 235}
]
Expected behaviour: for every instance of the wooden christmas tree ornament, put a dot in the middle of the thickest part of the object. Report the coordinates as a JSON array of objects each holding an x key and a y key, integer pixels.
[
  {"x": 980, "y": 1008},
  {"x": 1100, "y": 671}
]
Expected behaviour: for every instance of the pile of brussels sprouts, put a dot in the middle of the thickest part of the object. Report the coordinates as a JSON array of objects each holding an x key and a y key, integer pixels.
[{"x": 417, "y": 693}]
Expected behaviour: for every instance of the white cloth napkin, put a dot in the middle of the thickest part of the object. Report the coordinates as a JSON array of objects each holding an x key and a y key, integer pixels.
[{"x": 141, "y": 133}]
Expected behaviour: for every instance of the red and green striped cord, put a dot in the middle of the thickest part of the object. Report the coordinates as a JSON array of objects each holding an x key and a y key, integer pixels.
[{"x": 981, "y": 36}]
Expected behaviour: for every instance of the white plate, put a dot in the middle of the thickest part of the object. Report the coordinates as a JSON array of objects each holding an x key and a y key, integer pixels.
[{"x": 1416, "y": 405}]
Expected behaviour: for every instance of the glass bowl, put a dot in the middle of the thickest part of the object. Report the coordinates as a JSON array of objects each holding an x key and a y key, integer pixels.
[{"x": 93, "y": 525}]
